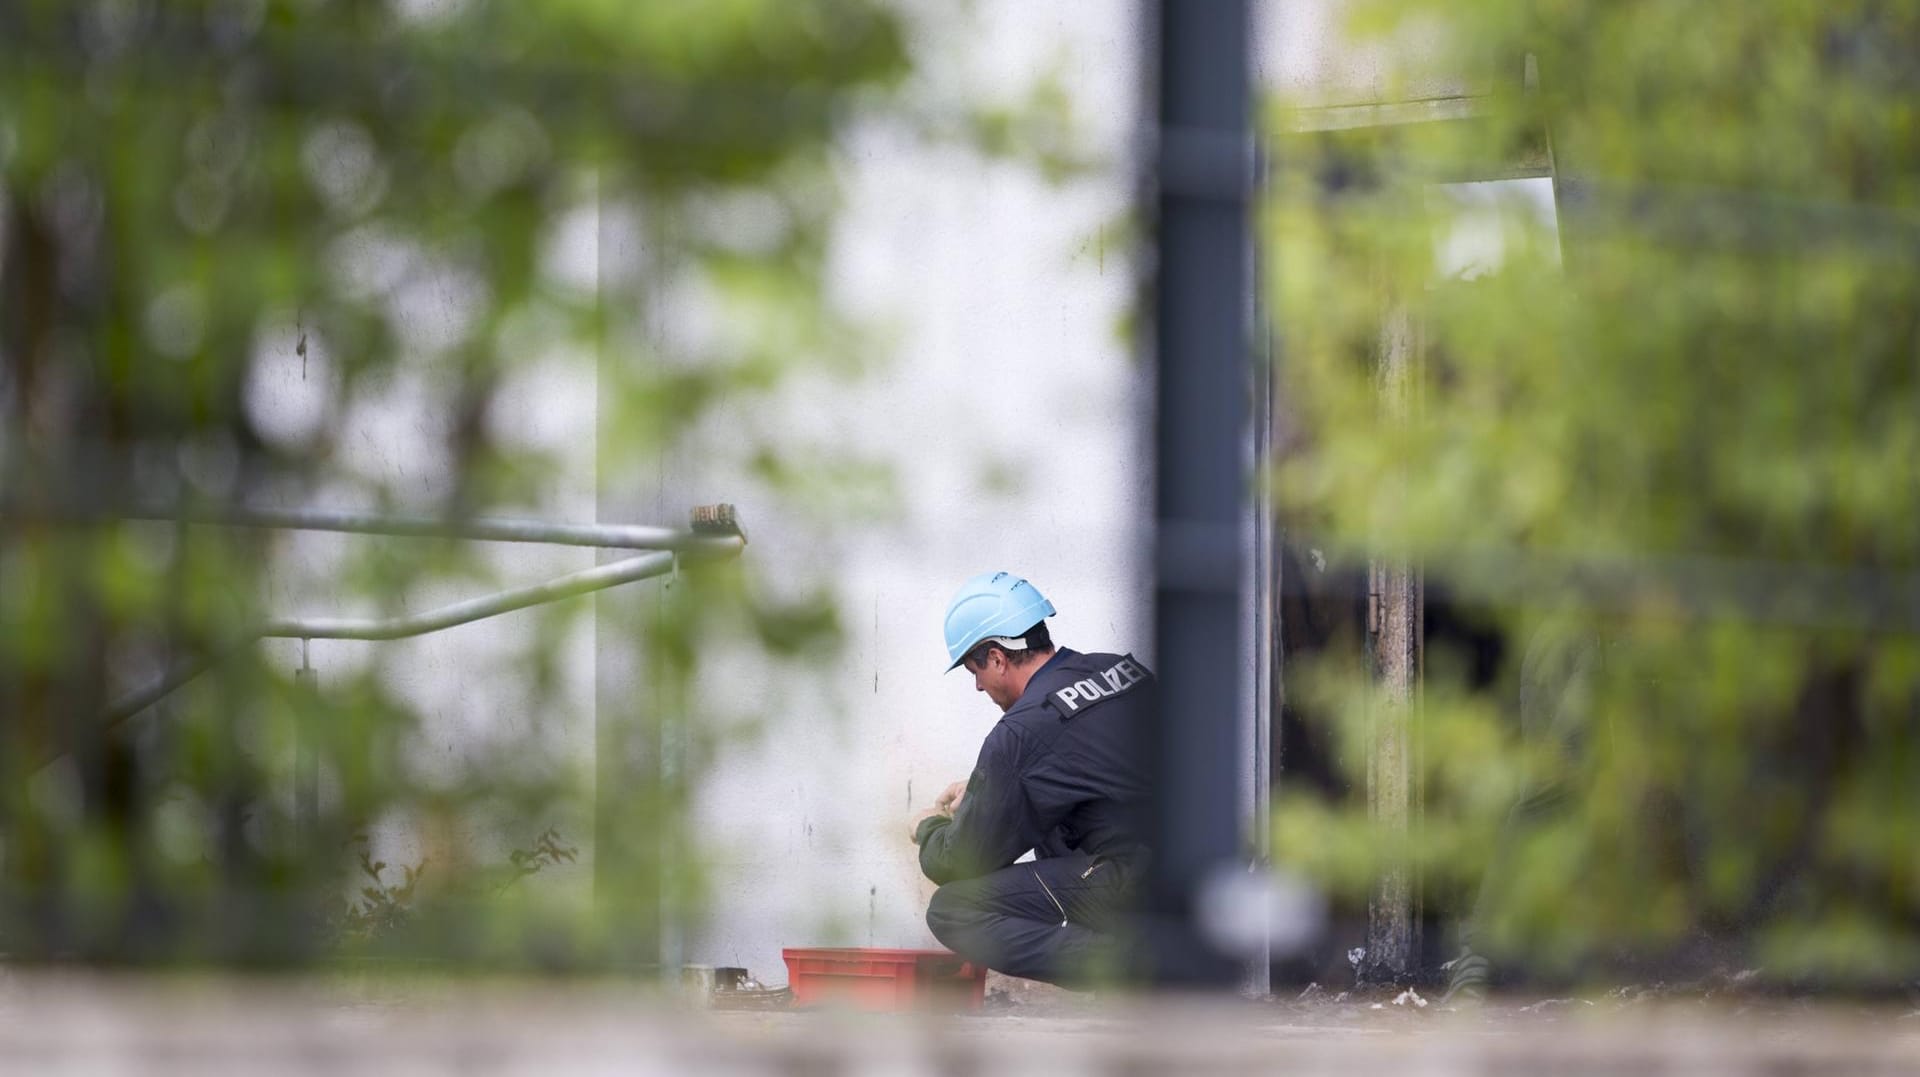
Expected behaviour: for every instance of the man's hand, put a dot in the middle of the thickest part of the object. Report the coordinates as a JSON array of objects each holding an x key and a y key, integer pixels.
[
  {"x": 949, "y": 801},
  {"x": 913, "y": 825},
  {"x": 945, "y": 804}
]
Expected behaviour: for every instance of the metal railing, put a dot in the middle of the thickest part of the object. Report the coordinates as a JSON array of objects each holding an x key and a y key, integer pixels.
[
  {"x": 714, "y": 532},
  {"x": 714, "y": 527}
]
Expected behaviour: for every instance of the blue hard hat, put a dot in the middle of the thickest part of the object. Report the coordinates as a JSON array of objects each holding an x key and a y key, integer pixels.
[{"x": 989, "y": 606}]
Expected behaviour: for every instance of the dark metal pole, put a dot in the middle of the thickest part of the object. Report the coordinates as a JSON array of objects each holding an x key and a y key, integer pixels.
[{"x": 1200, "y": 319}]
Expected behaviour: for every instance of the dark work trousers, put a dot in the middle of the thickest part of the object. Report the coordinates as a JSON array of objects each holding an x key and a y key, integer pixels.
[{"x": 1011, "y": 920}]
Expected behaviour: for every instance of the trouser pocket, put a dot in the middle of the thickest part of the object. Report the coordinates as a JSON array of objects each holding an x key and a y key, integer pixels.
[{"x": 1048, "y": 890}]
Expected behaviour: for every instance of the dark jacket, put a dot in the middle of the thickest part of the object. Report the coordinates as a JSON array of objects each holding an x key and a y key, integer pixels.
[{"x": 1062, "y": 772}]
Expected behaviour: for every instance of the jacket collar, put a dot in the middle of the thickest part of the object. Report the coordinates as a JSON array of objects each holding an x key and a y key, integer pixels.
[{"x": 1055, "y": 664}]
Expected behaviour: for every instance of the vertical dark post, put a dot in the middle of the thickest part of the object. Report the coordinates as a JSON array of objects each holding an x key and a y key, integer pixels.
[
  {"x": 1200, "y": 318},
  {"x": 1394, "y": 615}
]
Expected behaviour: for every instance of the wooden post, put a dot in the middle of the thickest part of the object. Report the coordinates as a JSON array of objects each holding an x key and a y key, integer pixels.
[{"x": 1395, "y": 608}]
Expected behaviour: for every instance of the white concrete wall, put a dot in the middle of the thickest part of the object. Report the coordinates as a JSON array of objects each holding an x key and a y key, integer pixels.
[
  {"x": 1305, "y": 55},
  {"x": 1010, "y": 411},
  {"x": 469, "y": 684}
]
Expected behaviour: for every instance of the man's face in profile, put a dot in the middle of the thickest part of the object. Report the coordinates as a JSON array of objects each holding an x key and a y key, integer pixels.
[{"x": 993, "y": 674}]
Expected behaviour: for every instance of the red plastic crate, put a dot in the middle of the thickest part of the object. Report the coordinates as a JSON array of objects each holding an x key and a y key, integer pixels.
[{"x": 866, "y": 978}]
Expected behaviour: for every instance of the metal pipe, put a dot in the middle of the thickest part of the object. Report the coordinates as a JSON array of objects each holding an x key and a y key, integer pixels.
[
  {"x": 608, "y": 536},
  {"x": 596, "y": 578},
  {"x": 179, "y": 674}
]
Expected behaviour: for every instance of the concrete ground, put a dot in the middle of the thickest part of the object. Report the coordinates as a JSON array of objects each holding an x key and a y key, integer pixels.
[{"x": 61, "y": 1024}]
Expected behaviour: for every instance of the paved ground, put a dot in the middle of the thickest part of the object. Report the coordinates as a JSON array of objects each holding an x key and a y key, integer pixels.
[{"x": 63, "y": 1024}]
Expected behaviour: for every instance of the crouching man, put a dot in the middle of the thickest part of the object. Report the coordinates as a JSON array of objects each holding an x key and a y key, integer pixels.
[{"x": 1061, "y": 774}]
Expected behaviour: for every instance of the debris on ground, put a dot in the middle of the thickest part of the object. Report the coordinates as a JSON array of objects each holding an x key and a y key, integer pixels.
[
  {"x": 757, "y": 998},
  {"x": 1744, "y": 982},
  {"x": 1547, "y": 1005}
]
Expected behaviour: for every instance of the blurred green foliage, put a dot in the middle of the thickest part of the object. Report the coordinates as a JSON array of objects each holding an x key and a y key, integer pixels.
[
  {"x": 1670, "y": 452},
  {"x": 233, "y": 229}
]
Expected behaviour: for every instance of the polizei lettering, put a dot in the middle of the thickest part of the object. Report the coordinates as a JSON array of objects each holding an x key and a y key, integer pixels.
[{"x": 1115, "y": 679}]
